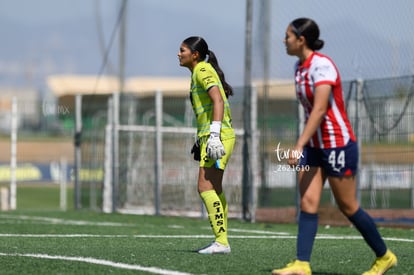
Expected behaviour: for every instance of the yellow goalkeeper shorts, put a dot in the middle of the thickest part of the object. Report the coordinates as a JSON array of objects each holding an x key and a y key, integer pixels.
[{"x": 220, "y": 163}]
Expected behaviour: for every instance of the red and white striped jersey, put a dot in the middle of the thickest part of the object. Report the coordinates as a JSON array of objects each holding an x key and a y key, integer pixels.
[{"x": 335, "y": 129}]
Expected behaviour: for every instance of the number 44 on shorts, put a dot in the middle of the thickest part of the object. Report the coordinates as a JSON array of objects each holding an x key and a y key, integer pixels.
[{"x": 337, "y": 161}]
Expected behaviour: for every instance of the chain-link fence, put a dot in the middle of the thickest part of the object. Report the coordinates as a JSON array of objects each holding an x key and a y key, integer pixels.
[{"x": 381, "y": 112}]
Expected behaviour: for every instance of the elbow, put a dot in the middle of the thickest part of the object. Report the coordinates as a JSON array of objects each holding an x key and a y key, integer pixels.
[
  {"x": 321, "y": 110},
  {"x": 320, "y": 113},
  {"x": 219, "y": 102}
]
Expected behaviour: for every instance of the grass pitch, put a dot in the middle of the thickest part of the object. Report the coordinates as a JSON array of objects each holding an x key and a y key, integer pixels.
[{"x": 80, "y": 242}]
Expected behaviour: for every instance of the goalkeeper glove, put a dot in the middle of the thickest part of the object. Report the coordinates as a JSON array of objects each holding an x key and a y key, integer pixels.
[
  {"x": 215, "y": 149},
  {"x": 196, "y": 151}
]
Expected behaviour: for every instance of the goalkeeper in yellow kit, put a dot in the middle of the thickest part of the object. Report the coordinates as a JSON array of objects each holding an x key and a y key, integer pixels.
[{"x": 215, "y": 134}]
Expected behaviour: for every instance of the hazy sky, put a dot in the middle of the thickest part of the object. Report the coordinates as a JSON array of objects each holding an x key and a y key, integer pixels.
[{"x": 370, "y": 38}]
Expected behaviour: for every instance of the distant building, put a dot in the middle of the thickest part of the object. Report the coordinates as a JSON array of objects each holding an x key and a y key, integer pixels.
[
  {"x": 63, "y": 86},
  {"x": 95, "y": 93},
  {"x": 28, "y": 100}
]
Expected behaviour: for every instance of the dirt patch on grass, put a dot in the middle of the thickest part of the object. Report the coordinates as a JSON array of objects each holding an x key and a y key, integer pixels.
[
  {"x": 53, "y": 150},
  {"x": 38, "y": 151},
  {"x": 332, "y": 216},
  {"x": 394, "y": 154}
]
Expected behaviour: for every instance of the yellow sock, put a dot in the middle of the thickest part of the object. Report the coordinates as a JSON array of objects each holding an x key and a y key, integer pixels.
[
  {"x": 223, "y": 200},
  {"x": 215, "y": 212},
  {"x": 225, "y": 207}
]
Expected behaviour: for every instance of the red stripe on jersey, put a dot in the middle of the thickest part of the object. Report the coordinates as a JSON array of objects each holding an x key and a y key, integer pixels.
[{"x": 335, "y": 129}]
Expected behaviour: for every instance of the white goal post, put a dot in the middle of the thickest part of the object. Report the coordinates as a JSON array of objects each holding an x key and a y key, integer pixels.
[
  {"x": 13, "y": 155},
  {"x": 161, "y": 178}
]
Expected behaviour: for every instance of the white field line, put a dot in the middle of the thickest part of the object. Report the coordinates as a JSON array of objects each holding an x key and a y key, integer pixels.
[
  {"x": 62, "y": 221},
  {"x": 258, "y": 231},
  {"x": 154, "y": 270},
  {"x": 150, "y": 236},
  {"x": 270, "y": 234},
  {"x": 80, "y": 222}
]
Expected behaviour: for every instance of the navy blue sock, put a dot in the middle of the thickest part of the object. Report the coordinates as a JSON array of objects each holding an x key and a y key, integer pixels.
[
  {"x": 366, "y": 226},
  {"x": 308, "y": 225}
]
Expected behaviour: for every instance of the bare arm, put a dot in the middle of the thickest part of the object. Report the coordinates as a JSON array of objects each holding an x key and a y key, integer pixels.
[{"x": 218, "y": 103}]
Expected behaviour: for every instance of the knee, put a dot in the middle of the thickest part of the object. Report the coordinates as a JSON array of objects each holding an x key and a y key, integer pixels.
[
  {"x": 202, "y": 189},
  {"x": 309, "y": 204},
  {"x": 205, "y": 186},
  {"x": 348, "y": 209}
]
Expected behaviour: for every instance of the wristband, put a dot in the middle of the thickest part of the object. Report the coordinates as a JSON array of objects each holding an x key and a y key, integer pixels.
[{"x": 215, "y": 127}]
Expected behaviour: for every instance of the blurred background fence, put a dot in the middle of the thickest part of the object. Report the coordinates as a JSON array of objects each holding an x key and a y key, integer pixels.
[
  {"x": 381, "y": 112},
  {"x": 136, "y": 157},
  {"x": 152, "y": 171}
]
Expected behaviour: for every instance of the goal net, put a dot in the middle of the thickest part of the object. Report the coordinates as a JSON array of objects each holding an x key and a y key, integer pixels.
[{"x": 154, "y": 171}]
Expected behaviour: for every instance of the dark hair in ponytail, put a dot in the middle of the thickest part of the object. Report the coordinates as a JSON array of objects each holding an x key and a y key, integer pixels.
[
  {"x": 196, "y": 43},
  {"x": 309, "y": 29}
]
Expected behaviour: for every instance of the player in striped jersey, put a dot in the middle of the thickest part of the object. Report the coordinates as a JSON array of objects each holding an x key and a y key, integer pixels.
[
  {"x": 327, "y": 147},
  {"x": 215, "y": 134}
]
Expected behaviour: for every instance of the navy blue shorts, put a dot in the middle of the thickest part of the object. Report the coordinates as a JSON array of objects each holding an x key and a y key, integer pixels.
[{"x": 337, "y": 162}]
